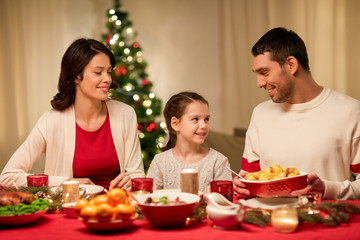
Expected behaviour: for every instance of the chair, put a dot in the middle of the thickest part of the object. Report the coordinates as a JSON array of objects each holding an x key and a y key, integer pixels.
[{"x": 231, "y": 146}]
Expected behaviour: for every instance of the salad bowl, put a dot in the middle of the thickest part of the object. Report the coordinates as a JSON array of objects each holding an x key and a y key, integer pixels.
[{"x": 169, "y": 213}]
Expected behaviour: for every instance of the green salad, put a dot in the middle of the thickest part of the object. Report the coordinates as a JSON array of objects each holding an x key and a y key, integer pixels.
[{"x": 21, "y": 208}]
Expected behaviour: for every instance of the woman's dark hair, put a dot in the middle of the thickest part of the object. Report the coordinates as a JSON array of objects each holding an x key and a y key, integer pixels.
[
  {"x": 175, "y": 107},
  {"x": 73, "y": 63},
  {"x": 282, "y": 43}
]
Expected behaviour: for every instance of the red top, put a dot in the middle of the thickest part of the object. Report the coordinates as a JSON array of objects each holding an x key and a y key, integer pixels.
[
  {"x": 250, "y": 167},
  {"x": 95, "y": 155}
]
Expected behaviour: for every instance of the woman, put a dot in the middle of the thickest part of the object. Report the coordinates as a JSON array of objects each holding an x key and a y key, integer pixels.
[{"x": 85, "y": 136}]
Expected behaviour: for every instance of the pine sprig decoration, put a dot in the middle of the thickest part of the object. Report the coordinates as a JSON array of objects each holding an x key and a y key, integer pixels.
[
  {"x": 333, "y": 214},
  {"x": 199, "y": 212},
  {"x": 257, "y": 217}
]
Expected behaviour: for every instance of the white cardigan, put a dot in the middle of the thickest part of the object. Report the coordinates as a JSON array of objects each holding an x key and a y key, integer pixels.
[{"x": 54, "y": 135}]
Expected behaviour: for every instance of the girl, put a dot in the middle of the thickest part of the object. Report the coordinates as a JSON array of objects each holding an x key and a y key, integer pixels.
[
  {"x": 187, "y": 118},
  {"x": 85, "y": 136}
]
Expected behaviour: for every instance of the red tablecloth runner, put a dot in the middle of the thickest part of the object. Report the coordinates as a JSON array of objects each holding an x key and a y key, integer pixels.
[{"x": 57, "y": 226}]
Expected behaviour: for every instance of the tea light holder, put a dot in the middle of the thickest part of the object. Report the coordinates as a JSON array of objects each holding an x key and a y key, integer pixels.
[
  {"x": 284, "y": 220},
  {"x": 70, "y": 191},
  {"x": 142, "y": 184},
  {"x": 223, "y": 187},
  {"x": 189, "y": 181},
  {"x": 37, "y": 180}
]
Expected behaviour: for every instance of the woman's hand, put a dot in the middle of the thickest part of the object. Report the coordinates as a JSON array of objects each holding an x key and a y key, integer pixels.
[
  {"x": 83, "y": 181},
  {"x": 121, "y": 181},
  {"x": 315, "y": 185},
  {"x": 240, "y": 190}
]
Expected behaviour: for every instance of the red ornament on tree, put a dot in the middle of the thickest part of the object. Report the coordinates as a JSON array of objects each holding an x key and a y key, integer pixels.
[
  {"x": 150, "y": 127},
  {"x": 135, "y": 45},
  {"x": 120, "y": 70},
  {"x": 145, "y": 82}
]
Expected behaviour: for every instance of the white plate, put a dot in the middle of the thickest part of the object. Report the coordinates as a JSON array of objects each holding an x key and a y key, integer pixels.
[
  {"x": 172, "y": 190},
  {"x": 272, "y": 203},
  {"x": 92, "y": 189}
]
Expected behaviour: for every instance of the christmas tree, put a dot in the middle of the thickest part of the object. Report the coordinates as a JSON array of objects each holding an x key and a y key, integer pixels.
[{"x": 134, "y": 87}]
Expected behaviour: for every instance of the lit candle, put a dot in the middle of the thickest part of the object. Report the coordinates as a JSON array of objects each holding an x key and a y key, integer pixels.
[
  {"x": 284, "y": 219},
  {"x": 189, "y": 181},
  {"x": 70, "y": 191}
]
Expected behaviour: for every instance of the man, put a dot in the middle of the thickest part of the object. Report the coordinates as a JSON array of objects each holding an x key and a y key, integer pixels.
[{"x": 307, "y": 126}]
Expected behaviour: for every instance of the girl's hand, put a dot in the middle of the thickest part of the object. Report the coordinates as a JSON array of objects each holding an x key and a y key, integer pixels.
[
  {"x": 83, "y": 180},
  {"x": 240, "y": 190},
  {"x": 121, "y": 181}
]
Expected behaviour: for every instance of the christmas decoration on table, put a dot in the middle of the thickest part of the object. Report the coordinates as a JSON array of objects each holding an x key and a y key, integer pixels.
[
  {"x": 18, "y": 202},
  {"x": 199, "y": 213},
  {"x": 134, "y": 86},
  {"x": 330, "y": 214},
  {"x": 52, "y": 200}
]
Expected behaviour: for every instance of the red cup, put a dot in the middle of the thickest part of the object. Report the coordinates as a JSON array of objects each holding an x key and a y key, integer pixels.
[
  {"x": 223, "y": 187},
  {"x": 142, "y": 184},
  {"x": 37, "y": 180}
]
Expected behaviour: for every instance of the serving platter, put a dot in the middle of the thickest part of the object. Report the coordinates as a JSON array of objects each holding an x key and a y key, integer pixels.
[
  {"x": 276, "y": 188},
  {"x": 15, "y": 220},
  {"x": 272, "y": 203}
]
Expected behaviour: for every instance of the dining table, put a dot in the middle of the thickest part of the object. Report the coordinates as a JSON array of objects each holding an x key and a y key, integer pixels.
[{"x": 58, "y": 226}]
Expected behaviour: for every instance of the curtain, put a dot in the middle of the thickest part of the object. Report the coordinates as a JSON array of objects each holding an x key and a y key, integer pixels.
[{"x": 197, "y": 45}]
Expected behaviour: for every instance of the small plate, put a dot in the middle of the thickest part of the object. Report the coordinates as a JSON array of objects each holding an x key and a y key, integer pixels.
[
  {"x": 108, "y": 226},
  {"x": 272, "y": 203},
  {"x": 93, "y": 189},
  {"x": 21, "y": 219}
]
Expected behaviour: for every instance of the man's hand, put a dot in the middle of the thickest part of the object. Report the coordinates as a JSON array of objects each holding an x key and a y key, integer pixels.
[
  {"x": 240, "y": 190},
  {"x": 315, "y": 185}
]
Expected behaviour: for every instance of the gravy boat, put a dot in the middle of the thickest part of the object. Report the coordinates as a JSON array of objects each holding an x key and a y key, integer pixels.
[{"x": 223, "y": 213}]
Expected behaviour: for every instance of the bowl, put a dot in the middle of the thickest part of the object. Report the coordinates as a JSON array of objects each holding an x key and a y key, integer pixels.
[
  {"x": 114, "y": 225},
  {"x": 69, "y": 210},
  {"x": 276, "y": 188},
  {"x": 168, "y": 216}
]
